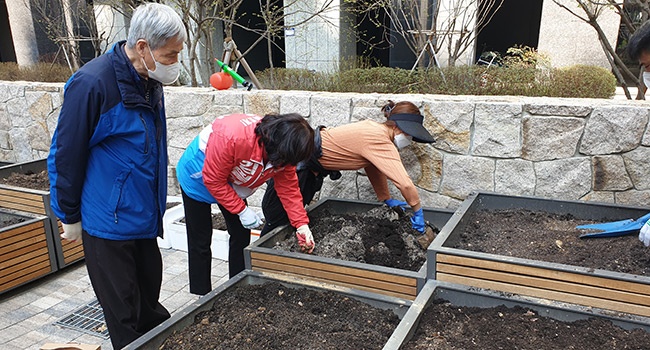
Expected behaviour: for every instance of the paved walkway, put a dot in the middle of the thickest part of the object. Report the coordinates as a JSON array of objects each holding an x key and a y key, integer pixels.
[
  {"x": 28, "y": 313},
  {"x": 620, "y": 94}
]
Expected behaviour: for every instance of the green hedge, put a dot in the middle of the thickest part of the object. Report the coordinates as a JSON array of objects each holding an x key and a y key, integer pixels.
[
  {"x": 45, "y": 72},
  {"x": 576, "y": 81}
]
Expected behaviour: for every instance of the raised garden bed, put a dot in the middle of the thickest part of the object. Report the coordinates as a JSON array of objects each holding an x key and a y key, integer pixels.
[
  {"x": 529, "y": 246},
  {"x": 25, "y": 187},
  {"x": 25, "y": 248},
  {"x": 265, "y": 256},
  {"x": 452, "y": 316},
  {"x": 176, "y": 235},
  {"x": 258, "y": 311}
]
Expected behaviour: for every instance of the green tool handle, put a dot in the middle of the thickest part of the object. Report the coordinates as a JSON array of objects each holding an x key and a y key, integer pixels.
[{"x": 232, "y": 73}]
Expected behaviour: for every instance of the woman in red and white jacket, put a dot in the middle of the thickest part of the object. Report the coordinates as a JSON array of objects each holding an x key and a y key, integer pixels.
[{"x": 225, "y": 164}]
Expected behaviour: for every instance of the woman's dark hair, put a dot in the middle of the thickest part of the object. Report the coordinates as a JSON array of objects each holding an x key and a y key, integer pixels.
[
  {"x": 403, "y": 107},
  {"x": 287, "y": 138},
  {"x": 639, "y": 42}
]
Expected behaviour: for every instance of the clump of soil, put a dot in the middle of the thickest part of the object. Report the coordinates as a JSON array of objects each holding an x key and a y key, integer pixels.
[
  {"x": 31, "y": 180},
  {"x": 379, "y": 236},
  {"x": 446, "y": 327},
  {"x": 271, "y": 316},
  {"x": 552, "y": 238},
  {"x": 170, "y": 205},
  {"x": 8, "y": 220}
]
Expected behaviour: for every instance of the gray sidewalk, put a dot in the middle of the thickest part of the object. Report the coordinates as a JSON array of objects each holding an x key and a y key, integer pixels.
[{"x": 29, "y": 313}]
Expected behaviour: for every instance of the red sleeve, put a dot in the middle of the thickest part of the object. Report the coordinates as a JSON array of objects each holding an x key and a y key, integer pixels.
[
  {"x": 219, "y": 161},
  {"x": 286, "y": 185}
]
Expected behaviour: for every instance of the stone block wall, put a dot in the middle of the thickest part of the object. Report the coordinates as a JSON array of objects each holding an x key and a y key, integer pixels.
[{"x": 577, "y": 149}]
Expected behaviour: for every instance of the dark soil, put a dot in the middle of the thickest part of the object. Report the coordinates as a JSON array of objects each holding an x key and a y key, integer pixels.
[
  {"x": 551, "y": 238},
  {"x": 170, "y": 205},
  {"x": 379, "y": 236},
  {"x": 31, "y": 180},
  {"x": 271, "y": 316},
  {"x": 446, "y": 327},
  {"x": 218, "y": 222},
  {"x": 8, "y": 220}
]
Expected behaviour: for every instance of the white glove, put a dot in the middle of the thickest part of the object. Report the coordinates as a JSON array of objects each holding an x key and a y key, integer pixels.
[
  {"x": 249, "y": 218},
  {"x": 72, "y": 232},
  {"x": 305, "y": 239},
  {"x": 644, "y": 234}
]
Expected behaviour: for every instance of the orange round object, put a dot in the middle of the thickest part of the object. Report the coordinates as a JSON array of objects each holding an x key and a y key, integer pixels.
[{"x": 221, "y": 80}]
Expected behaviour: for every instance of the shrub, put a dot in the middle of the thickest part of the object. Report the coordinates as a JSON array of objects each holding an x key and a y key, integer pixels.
[
  {"x": 517, "y": 79},
  {"x": 9, "y": 71},
  {"x": 45, "y": 72},
  {"x": 583, "y": 81},
  {"x": 522, "y": 80},
  {"x": 376, "y": 79},
  {"x": 525, "y": 56},
  {"x": 293, "y": 79}
]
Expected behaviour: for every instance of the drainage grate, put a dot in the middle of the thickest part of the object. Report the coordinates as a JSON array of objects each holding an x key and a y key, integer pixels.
[{"x": 88, "y": 319}]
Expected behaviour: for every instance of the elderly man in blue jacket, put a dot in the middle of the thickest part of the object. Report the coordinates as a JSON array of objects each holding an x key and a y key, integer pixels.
[{"x": 108, "y": 168}]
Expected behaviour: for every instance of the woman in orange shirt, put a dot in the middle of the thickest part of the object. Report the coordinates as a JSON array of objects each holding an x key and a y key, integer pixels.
[{"x": 366, "y": 145}]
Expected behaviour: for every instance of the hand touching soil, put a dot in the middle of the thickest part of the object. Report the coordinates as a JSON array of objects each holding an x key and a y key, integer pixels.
[{"x": 379, "y": 237}]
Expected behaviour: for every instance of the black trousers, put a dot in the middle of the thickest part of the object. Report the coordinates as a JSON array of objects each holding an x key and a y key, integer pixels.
[
  {"x": 274, "y": 213},
  {"x": 126, "y": 277},
  {"x": 198, "y": 223}
]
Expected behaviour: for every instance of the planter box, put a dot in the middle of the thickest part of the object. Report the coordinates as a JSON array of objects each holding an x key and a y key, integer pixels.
[
  {"x": 260, "y": 256},
  {"x": 38, "y": 202},
  {"x": 176, "y": 234},
  {"x": 25, "y": 249},
  {"x": 156, "y": 337},
  {"x": 597, "y": 288},
  {"x": 465, "y": 296}
]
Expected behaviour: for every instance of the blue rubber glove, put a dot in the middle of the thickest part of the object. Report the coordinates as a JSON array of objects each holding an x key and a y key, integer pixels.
[
  {"x": 417, "y": 220},
  {"x": 395, "y": 203}
]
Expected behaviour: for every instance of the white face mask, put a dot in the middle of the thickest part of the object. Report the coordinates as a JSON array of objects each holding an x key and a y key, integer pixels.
[
  {"x": 646, "y": 79},
  {"x": 164, "y": 73},
  {"x": 402, "y": 140}
]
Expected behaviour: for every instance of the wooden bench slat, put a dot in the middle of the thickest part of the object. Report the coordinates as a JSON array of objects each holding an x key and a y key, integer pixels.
[
  {"x": 378, "y": 291},
  {"x": 9, "y": 201},
  {"x": 36, "y": 225},
  {"x": 334, "y": 268},
  {"x": 17, "y": 197},
  {"x": 549, "y": 295},
  {"x": 28, "y": 209},
  {"x": 11, "y": 239},
  {"x": 531, "y": 281},
  {"x": 546, "y": 273},
  {"x": 21, "y": 266},
  {"x": 24, "y": 278},
  {"x": 22, "y": 192},
  {"x": 40, "y": 247},
  {"x": 69, "y": 259},
  {"x": 332, "y": 277}
]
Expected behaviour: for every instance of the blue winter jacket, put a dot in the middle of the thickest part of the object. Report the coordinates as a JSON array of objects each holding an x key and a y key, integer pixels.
[{"x": 108, "y": 158}]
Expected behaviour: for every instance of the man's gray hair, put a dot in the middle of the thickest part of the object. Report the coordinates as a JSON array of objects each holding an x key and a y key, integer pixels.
[{"x": 155, "y": 23}]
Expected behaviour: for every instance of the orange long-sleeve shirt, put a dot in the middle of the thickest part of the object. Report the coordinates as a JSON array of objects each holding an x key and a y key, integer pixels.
[{"x": 369, "y": 145}]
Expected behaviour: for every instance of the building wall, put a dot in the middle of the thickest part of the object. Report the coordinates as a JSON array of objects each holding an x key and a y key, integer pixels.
[
  {"x": 568, "y": 40},
  {"x": 322, "y": 42},
  {"x": 112, "y": 24},
  {"x": 448, "y": 11},
  {"x": 575, "y": 149}
]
